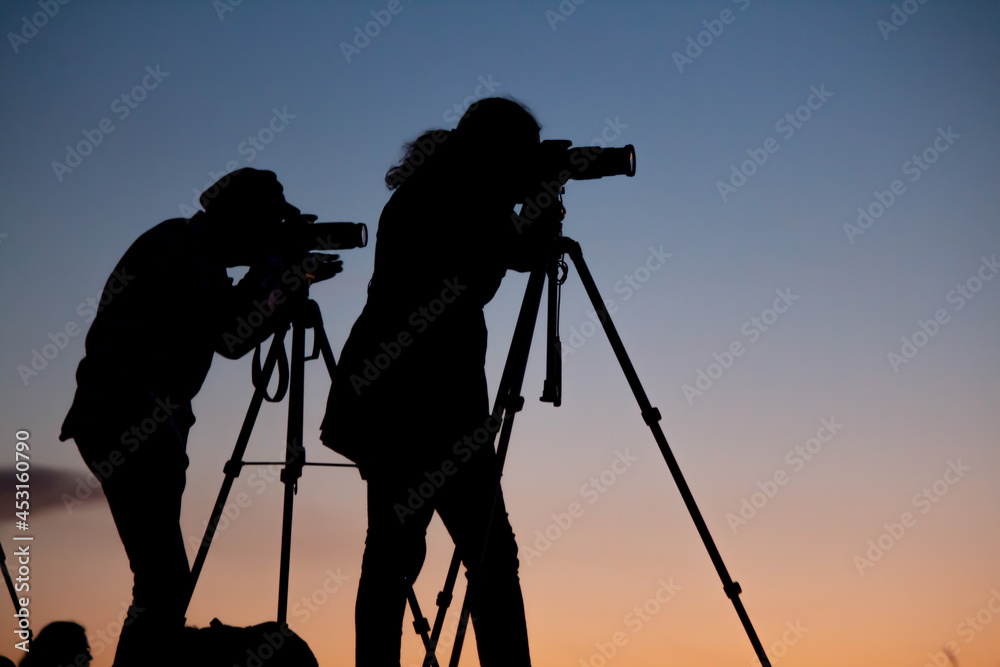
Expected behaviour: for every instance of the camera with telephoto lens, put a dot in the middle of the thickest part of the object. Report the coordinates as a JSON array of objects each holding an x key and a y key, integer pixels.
[
  {"x": 302, "y": 234},
  {"x": 302, "y": 244},
  {"x": 557, "y": 161}
]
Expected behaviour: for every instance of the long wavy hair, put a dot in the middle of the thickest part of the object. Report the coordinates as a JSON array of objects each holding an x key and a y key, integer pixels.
[{"x": 488, "y": 127}]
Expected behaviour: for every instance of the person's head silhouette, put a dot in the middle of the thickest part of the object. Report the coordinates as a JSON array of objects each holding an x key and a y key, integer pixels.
[
  {"x": 242, "y": 210},
  {"x": 57, "y": 644},
  {"x": 490, "y": 150}
]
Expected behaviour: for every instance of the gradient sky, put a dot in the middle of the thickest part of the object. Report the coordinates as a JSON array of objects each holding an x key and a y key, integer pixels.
[{"x": 889, "y": 94}]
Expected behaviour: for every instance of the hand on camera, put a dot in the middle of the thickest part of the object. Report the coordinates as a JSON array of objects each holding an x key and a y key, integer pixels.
[{"x": 326, "y": 266}]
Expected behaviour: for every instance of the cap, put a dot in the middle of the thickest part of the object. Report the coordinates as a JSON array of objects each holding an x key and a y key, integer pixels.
[{"x": 251, "y": 193}]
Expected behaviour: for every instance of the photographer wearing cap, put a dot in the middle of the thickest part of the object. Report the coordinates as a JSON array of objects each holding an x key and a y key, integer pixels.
[
  {"x": 411, "y": 385},
  {"x": 168, "y": 307}
]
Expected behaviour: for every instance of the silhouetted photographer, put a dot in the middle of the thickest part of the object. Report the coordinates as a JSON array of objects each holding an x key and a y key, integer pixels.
[
  {"x": 409, "y": 401},
  {"x": 168, "y": 308}
]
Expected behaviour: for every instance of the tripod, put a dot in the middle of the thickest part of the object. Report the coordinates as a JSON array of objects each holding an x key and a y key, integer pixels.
[
  {"x": 509, "y": 402},
  {"x": 290, "y": 381}
]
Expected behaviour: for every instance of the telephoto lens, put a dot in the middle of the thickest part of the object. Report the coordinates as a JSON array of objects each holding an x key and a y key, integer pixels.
[
  {"x": 332, "y": 235},
  {"x": 584, "y": 163}
]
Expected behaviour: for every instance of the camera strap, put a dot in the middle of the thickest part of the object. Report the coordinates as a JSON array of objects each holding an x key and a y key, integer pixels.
[{"x": 257, "y": 374}]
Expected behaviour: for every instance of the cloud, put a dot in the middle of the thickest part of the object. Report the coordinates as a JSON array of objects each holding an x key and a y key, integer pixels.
[{"x": 48, "y": 489}]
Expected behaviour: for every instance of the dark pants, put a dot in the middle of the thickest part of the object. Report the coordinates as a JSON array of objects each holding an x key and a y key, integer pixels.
[
  {"x": 144, "y": 488},
  {"x": 395, "y": 550}
]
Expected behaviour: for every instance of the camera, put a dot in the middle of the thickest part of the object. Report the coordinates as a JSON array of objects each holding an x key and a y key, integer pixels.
[
  {"x": 299, "y": 238},
  {"x": 305, "y": 234},
  {"x": 557, "y": 161},
  {"x": 555, "y": 164}
]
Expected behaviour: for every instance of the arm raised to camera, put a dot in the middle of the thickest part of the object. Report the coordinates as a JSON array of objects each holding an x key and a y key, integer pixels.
[
  {"x": 253, "y": 309},
  {"x": 267, "y": 298}
]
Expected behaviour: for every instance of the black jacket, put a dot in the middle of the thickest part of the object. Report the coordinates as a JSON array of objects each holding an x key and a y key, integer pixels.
[{"x": 411, "y": 377}]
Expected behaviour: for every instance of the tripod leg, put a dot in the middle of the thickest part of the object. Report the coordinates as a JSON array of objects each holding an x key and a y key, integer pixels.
[
  {"x": 552, "y": 388},
  {"x": 309, "y": 318},
  {"x": 508, "y": 403},
  {"x": 443, "y": 602},
  {"x": 419, "y": 622},
  {"x": 235, "y": 464},
  {"x": 294, "y": 458},
  {"x": 652, "y": 418}
]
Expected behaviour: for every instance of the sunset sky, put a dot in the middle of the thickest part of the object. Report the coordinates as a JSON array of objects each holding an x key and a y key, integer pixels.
[{"x": 803, "y": 270}]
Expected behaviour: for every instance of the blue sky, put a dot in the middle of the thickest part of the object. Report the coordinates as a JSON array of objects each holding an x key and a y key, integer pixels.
[{"x": 224, "y": 77}]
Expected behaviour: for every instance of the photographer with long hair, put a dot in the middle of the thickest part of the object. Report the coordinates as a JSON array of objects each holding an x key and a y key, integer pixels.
[{"x": 409, "y": 403}]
